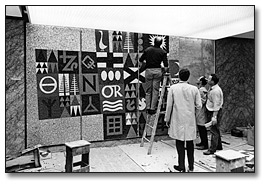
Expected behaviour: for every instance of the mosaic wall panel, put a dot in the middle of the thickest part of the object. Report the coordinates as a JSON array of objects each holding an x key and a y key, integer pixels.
[
  {"x": 15, "y": 87},
  {"x": 101, "y": 87},
  {"x": 235, "y": 65},
  {"x": 52, "y": 90}
]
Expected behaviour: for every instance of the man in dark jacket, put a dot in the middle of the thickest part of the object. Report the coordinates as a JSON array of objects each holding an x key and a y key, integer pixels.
[{"x": 153, "y": 56}]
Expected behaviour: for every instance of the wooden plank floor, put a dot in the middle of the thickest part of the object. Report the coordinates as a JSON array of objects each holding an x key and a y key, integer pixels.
[{"x": 133, "y": 158}]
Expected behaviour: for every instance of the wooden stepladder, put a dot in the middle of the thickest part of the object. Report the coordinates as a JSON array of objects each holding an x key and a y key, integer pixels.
[{"x": 155, "y": 117}]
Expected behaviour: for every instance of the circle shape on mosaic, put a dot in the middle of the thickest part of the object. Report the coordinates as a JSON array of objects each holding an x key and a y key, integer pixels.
[
  {"x": 51, "y": 85},
  {"x": 117, "y": 75},
  {"x": 103, "y": 75},
  {"x": 110, "y": 75}
]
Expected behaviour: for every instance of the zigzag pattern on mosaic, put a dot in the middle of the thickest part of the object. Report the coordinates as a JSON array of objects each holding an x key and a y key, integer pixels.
[
  {"x": 117, "y": 44},
  {"x": 75, "y": 110},
  {"x": 41, "y": 68}
]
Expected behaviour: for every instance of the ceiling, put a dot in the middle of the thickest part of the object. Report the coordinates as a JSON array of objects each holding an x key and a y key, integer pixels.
[{"x": 207, "y": 22}]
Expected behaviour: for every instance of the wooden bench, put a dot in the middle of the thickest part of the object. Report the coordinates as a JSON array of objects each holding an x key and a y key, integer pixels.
[
  {"x": 80, "y": 147},
  {"x": 230, "y": 161}
]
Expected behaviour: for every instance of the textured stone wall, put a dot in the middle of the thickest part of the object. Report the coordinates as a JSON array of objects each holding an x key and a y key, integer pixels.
[
  {"x": 15, "y": 90},
  {"x": 195, "y": 54},
  {"x": 235, "y": 65}
]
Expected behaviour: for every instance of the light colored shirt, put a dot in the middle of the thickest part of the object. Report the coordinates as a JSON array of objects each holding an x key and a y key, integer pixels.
[
  {"x": 215, "y": 98},
  {"x": 182, "y": 100},
  {"x": 201, "y": 114}
]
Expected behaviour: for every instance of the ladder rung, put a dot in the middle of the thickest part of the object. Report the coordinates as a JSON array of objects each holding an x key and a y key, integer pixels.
[
  {"x": 149, "y": 126},
  {"x": 162, "y": 112},
  {"x": 147, "y": 139}
]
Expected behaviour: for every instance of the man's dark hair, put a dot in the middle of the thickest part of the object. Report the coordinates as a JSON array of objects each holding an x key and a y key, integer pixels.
[
  {"x": 215, "y": 78},
  {"x": 204, "y": 81},
  {"x": 158, "y": 41},
  {"x": 184, "y": 74}
]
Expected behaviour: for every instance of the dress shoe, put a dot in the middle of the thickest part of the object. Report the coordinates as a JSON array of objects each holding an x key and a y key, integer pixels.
[
  {"x": 178, "y": 168},
  {"x": 219, "y": 148},
  {"x": 208, "y": 152},
  {"x": 201, "y": 148}
]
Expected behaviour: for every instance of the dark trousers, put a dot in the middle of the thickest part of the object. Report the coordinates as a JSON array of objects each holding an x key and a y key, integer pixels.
[
  {"x": 215, "y": 133},
  {"x": 203, "y": 136},
  {"x": 180, "y": 147}
]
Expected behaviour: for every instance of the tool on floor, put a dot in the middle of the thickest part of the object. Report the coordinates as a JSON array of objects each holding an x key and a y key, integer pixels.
[{"x": 155, "y": 116}]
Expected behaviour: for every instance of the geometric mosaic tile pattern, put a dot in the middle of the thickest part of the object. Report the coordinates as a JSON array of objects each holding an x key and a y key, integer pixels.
[{"x": 105, "y": 81}]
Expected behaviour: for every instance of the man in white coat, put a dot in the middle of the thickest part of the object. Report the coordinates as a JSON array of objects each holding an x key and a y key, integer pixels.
[{"x": 182, "y": 102}]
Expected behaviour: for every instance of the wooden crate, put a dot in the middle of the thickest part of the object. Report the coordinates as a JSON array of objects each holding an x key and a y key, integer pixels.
[
  {"x": 230, "y": 161},
  {"x": 80, "y": 147}
]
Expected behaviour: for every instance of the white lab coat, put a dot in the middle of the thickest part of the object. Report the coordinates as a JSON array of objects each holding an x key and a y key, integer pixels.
[{"x": 182, "y": 100}]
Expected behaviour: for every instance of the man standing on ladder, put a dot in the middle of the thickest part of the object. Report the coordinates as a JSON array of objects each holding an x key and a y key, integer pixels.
[{"x": 153, "y": 56}]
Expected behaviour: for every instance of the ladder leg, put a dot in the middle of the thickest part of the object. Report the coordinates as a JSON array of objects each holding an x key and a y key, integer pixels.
[
  {"x": 144, "y": 134},
  {"x": 152, "y": 137},
  {"x": 157, "y": 116},
  {"x": 145, "y": 130},
  {"x": 154, "y": 126}
]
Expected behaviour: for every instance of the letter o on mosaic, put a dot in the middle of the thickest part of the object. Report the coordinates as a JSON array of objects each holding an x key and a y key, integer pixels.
[{"x": 104, "y": 75}]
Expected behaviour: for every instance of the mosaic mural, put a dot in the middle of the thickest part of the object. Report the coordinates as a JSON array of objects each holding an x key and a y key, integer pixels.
[
  {"x": 97, "y": 93},
  {"x": 106, "y": 81}
]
